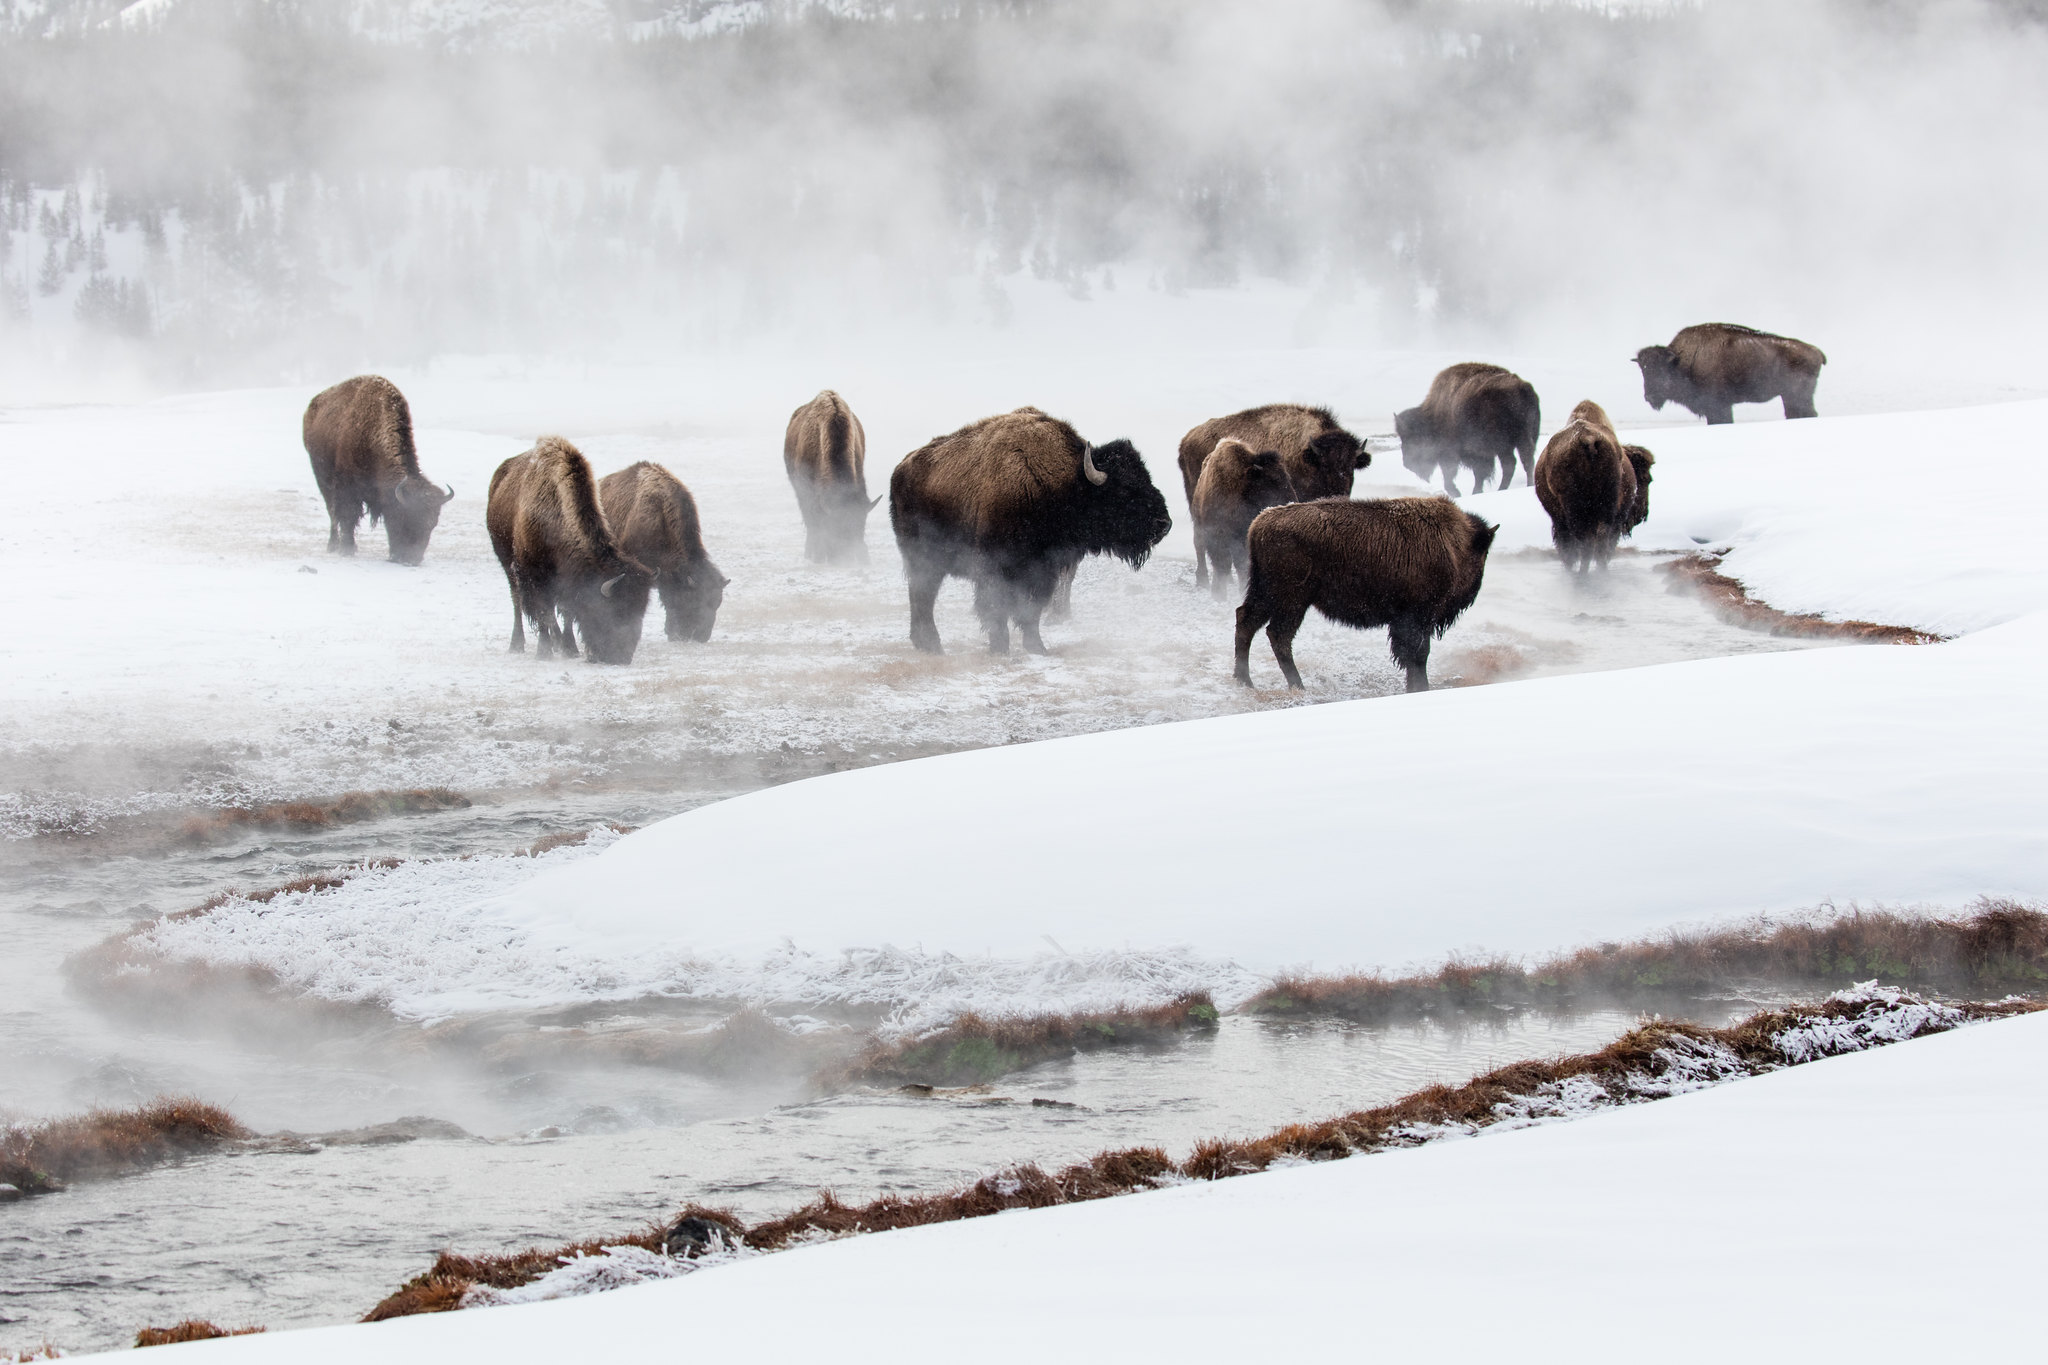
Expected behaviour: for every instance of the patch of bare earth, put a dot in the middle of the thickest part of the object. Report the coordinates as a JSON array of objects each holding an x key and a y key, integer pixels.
[{"x": 1730, "y": 600}]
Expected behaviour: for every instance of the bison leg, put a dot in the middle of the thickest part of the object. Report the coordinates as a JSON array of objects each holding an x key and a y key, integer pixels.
[
  {"x": 518, "y": 645},
  {"x": 1719, "y": 414},
  {"x": 1027, "y": 626},
  {"x": 1799, "y": 397},
  {"x": 1280, "y": 634},
  {"x": 924, "y": 597},
  {"x": 1410, "y": 648},
  {"x": 1201, "y": 565},
  {"x": 992, "y": 609},
  {"x": 1446, "y": 469},
  {"x": 1061, "y": 607},
  {"x": 565, "y": 632},
  {"x": 1507, "y": 468},
  {"x": 1255, "y": 612},
  {"x": 341, "y": 528}
]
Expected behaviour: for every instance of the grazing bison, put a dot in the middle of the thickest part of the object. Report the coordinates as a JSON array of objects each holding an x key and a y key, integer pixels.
[
  {"x": 1010, "y": 502},
  {"x": 1320, "y": 457},
  {"x": 1710, "y": 368},
  {"x": 1595, "y": 489},
  {"x": 1237, "y": 484},
  {"x": 653, "y": 521},
  {"x": 825, "y": 452},
  {"x": 1410, "y": 564},
  {"x": 1474, "y": 415},
  {"x": 359, "y": 436},
  {"x": 559, "y": 556}
]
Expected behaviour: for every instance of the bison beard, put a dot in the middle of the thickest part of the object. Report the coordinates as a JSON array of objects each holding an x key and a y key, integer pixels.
[
  {"x": 358, "y": 435},
  {"x": 824, "y": 452},
  {"x": 1710, "y": 368},
  {"x": 564, "y": 569},
  {"x": 1012, "y": 502},
  {"x": 1410, "y": 564},
  {"x": 654, "y": 522}
]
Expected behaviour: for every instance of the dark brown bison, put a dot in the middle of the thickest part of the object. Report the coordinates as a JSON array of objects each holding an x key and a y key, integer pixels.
[
  {"x": 1710, "y": 368},
  {"x": 1595, "y": 489},
  {"x": 1474, "y": 415},
  {"x": 359, "y": 436},
  {"x": 1320, "y": 457},
  {"x": 1010, "y": 502},
  {"x": 1237, "y": 484},
  {"x": 653, "y": 521},
  {"x": 1410, "y": 564},
  {"x": 560, "y": 559},
  {"x": 825, "y": 452}
]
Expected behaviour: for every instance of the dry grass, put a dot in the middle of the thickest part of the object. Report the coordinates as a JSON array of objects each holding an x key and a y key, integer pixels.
[
  {"x": 2000, "y": 946},
  {"x": 1731, "y": 601},
  {"x": 191, "y": 1329},
  {"x": 39, "y": 1157},
  {"x": 346, "y": 809},
  {"x": 973, "y": 1049},
  {"x": 569, "y": 838}
]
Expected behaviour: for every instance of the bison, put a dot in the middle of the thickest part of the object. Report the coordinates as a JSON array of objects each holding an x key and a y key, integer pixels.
[
  {"x": 1710, "y": 368},
  {"x": 825, "y": 453},
  {"x": 1320, "y": 456},
  {"x": 1595, "y": 489},
  {"x": 359, "y": 436},
  {"x": 653, "y": 520},
  {"x": 1410, "y": 564},
  {"x": 1236, "y": 485},
  {"x": 1473, "y": 415},
  {"x": 1010, "y": 502},
  {"x": 559, "y": 556}
]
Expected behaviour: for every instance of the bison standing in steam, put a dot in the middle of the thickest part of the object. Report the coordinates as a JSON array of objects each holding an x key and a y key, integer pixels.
[
  {"x": 1237, "y": 484},
  {"x": 1010, "y": 502},
  {"x": 1595, "y": 489},
  {"x": 825, "y": 453},
  {"x": 653, "y": 520},
  {"x": 1410, "y": 564},
  {"x": 1319, "y": 456},
  {"x": 1710, "y": 368},
  {"x": 358, "y": 435},
  {"x": 1474, "y": 415},
  {"x": 565, "y": 570}
]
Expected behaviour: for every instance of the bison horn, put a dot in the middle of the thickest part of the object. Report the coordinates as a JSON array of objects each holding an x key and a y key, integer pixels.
[
  {"x": 398, "y": 493},
  {"x": 1095, "y": 476},
  {"x": 875, "y": 502},
  {"x": 610, "y": 583},
  {"x": 449, "y": 496}
]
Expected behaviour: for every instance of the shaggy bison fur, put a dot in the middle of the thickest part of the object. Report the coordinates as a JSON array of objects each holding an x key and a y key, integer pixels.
[
  {"x": 1410, "y": 564},
  {"x": 825, "y": 453},
  {"x": 1595, "y": 489},
  {"x": 560, "y": 559},
  {"x": 1710, "y": 368},
  {"x": 1011, "y": 502},
  {"x": 359, "y": 436},
  {"x": 1474, "y": 415},
  {"x": 653, "y": 520},
  {"x": 1320, "y": 456},
  {"x": 1236, "y": 484}
]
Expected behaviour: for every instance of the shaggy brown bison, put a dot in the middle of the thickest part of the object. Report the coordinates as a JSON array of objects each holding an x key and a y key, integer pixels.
[
  {"x": 560, "y": 559},
  {"x": 1237, "y": 484},
  {"x": 1595, "y": 489},
  {"x": 653, "y": 521},
  {"x": 825, "y": 453},
  {"x": 1710, "y": 368},
  {"x": 1320, "y": 457},
  {"x": 359, "y": 436},
  {"x": 1474, "y": 415},
  {"x": 1010, "y": 502},
  {"x": 1410, "y": 564}
]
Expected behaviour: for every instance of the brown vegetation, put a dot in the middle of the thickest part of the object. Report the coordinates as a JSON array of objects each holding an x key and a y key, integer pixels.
[
  {"x": 347, "y": 809},
  {"x": 1730, "y": 601},
  {"x": 191, "y": 1329},
  {"x": 972, "y": 1049},
  {"x": 2000, "y": 946},
  {"x": 39, "y": 1157}
]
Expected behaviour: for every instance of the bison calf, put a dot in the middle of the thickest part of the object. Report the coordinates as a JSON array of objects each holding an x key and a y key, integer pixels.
[
  {"x": 1236, "y": 485},
  {"x": 1320, "y": 457},
  {"x": 1410, "y": 564},
  {"x": 560, "y": 559},
  {"x": 1474, "y": 416},
  {"x": 358, "y": 435},
  {"x": 1595, "y": 489},
  {"x": 653, "y": 520},
  {"x": 825, "y": 452},
  {"x": 1710, "y": 368}
]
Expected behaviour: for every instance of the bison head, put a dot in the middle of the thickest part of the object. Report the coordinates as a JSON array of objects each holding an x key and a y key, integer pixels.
[
  {"x": 410, "y": 516},
  {"x": 1639, "y": 460},
  {"x": 1121, "y": 510},
  {"x": 1421, "y": 450},
  {"x": 1334, "y": 456},
  {"x": 609, "y": 611},
  {"x": 1661, "y": 377},
  {"x": 690, "y": 599},
  {"x": 846, "y": 525},
  {"x": 1265, "y": 481}
]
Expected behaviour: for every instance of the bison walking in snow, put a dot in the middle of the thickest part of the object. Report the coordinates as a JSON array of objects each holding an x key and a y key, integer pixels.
[
  {"x": 1710, "y": 368},
  {"x": 1320, "y": 457},
  {"x": 1237, "y": 483},
  {"x": 560, "y": 559},
  {"x": 825, "y": 454},
  {"x": 653, "y": 520},
  {"x": 1010, "y": 502},
  {"x": 358, "y": 435},
  {"x": 1474, "y": 415},
  {"x": 1595, "y": 489},
  {"x": 1410, "y": 564}
]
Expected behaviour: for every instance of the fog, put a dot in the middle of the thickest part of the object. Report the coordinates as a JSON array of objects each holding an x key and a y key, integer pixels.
[{"x": 213, "y": 191}]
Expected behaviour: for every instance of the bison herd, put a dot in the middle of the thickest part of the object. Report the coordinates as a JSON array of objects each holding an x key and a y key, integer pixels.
[{"x": 1013, "y": 503}]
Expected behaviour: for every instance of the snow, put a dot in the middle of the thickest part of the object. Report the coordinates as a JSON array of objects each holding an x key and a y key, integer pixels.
[{"x": 1879, "y": 1192}]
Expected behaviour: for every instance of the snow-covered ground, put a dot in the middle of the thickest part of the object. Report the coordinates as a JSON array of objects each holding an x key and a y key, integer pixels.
[{"x": 1884, "y": 1192}]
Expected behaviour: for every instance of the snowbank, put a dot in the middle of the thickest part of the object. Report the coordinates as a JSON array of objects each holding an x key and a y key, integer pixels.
[{"x": 1573, "y": 1241}]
